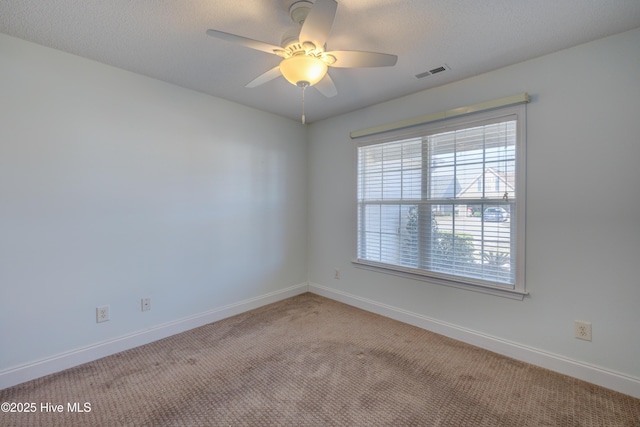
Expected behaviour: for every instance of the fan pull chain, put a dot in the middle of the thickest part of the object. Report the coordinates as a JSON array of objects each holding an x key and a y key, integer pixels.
[{"x": 303, "y": 88}]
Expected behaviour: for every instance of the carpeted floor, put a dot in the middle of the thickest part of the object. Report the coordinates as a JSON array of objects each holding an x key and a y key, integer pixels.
[{"x": 310, "y": 361}]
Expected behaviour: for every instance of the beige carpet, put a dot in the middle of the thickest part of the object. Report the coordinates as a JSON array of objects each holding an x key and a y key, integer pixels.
[{"x": 310, "y": 361}]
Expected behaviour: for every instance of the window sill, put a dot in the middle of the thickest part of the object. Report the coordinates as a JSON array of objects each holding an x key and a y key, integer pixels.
[{"x": 505, "y": 292}]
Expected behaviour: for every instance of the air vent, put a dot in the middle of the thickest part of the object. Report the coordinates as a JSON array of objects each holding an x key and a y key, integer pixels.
[{"x": 433, "y": 71}]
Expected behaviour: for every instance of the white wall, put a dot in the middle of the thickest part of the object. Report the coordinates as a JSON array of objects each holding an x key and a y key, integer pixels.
[
  {"x": 582, "y": 253},
  {"x": 114, "y": 187}
]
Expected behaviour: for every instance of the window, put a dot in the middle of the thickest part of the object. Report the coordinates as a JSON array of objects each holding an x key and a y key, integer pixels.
[{"x": 445, "y": 202}]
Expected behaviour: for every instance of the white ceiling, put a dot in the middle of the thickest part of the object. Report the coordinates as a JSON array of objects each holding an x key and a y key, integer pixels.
[{"x": 166, "y": 40}]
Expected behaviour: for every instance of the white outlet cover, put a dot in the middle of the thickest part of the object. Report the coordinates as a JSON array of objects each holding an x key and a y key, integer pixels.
[
  {"x": 582, "y": 330},
  {"x": 102, "y": 314}
]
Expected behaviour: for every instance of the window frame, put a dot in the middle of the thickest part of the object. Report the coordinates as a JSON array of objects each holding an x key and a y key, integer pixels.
[{"x": 518, "y": 290}]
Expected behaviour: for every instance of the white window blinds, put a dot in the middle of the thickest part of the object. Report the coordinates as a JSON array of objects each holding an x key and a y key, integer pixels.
[{"x": 444, "y": 202}]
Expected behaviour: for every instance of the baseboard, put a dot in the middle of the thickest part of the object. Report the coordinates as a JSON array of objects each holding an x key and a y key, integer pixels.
[
  {"x": 563, "y": 365},
  {"x": 60, "y": 362}
]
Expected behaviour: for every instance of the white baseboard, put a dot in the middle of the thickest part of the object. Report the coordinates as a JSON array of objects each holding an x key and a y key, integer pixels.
[
  {"x": 60, "y": 362},
  {"x": 563, "y": 365}
]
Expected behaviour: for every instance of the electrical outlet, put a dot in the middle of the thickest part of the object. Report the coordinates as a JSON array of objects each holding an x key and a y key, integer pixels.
[
  {"x": 145, "y": 304},
  {"x": 337, "y": 274},
  {"x": 102, "y": 314},
  {"x": 582, "y": 330}
]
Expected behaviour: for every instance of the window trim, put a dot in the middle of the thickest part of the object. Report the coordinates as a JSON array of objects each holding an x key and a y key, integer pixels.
[{"x": 518, "y": 291}]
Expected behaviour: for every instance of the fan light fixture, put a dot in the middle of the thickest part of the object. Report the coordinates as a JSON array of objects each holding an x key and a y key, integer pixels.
[{"x": 303, "y": 70}]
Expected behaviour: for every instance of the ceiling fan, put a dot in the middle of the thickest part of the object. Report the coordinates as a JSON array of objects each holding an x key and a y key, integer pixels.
[{"x": 304, "y": 59}]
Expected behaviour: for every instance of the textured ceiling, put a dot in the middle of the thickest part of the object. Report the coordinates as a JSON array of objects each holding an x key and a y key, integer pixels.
[{"x": 166, "y": 40}]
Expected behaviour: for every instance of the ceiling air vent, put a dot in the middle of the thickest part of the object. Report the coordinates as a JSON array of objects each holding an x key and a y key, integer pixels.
[{"x": 433, "y": 71}]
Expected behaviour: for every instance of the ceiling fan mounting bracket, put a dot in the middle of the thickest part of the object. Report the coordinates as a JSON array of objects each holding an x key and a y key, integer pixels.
[{"x": 299, "y": 10}]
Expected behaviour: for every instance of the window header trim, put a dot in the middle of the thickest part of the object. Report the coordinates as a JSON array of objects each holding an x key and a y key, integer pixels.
[{"x": 521, "y": 98}]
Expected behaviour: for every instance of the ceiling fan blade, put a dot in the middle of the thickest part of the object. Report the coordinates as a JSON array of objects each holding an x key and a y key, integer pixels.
[
  {"x": 266, "y": 77},
  {"x": 244, "y": 41},
  {"x": 317, "y": 25},
  {"x": 357, "y": 59},
  {"x": 326, "y": 87}
]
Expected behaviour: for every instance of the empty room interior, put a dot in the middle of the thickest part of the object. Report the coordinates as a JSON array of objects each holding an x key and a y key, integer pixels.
[{"x": 465, "y": 170}]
